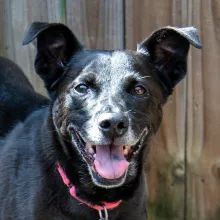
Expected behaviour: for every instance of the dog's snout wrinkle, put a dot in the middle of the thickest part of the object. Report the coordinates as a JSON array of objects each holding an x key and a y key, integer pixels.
[{"x": 113, "y": 123}]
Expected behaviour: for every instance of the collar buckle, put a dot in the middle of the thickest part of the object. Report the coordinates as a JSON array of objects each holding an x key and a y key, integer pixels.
[{"x": 103, "y": 214}]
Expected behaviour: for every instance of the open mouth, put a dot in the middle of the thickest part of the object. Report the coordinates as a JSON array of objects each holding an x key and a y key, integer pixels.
[{"x": 108, "y": 162}]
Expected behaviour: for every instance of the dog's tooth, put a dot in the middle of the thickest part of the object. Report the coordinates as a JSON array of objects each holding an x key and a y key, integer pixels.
[
  {"x": 128, "y": 147},
  {"x": 88, "y": 145},
  {"x": 90, "y": 150},
  {"x": 94, "y": 155},
  {"x": 126, "y": 152}
]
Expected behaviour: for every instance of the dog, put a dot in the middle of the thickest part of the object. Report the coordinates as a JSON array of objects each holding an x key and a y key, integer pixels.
[
  {"x": 81, "y": 155},
  {"x": 15, "y": 105}
]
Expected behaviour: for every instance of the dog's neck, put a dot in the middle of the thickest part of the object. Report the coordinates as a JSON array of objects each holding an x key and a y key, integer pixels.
[{"x": 72, "y": 190}]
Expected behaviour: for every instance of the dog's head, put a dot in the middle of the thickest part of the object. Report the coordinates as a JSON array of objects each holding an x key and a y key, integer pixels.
[{"x": 107, "y": 104}]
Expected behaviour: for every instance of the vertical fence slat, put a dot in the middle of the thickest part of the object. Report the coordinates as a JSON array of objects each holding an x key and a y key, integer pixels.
[
  {"x": 98, "y": 24},
  {"x": 203, "y": 114},
  {"x": 166, "y": 162},
  {"x": 6, "y": 29},
  {"x": 20, "y": 23},
  {"x": 1, "y": 27}
]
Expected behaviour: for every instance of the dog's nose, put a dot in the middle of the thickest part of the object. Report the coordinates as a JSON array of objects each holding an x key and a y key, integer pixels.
[{"x": 116, "y": 123}]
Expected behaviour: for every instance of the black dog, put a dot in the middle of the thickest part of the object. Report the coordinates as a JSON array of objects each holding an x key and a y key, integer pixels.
[
  {"x": 17, "y": 96},
  {"x": 82, "y": 156}
]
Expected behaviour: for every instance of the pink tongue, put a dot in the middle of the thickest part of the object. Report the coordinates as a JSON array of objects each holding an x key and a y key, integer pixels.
[{"x": 110, "y": 162}]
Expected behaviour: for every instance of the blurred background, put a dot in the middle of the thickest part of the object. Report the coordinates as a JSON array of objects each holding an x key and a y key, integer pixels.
[{"x": 183, "y": 167}]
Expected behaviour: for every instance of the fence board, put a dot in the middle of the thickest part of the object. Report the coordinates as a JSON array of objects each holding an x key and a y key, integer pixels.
[
  {"x": 203, "y": 115},
  {"x": 98, "y": 24},
  {"x": 1, "y": 27},
  {"x": 19, "y": 26},
  {"x": 6, "y": 27},
  {"x": 17, "y": 17},
  {"x": 166, "y": 162}
]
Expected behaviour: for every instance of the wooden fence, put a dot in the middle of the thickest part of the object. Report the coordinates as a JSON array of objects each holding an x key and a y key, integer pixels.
[{"x": 183, "y": 167}]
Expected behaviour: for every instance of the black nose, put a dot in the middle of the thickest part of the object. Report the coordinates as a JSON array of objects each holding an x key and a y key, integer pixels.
[{"x": 116, "y": 123}]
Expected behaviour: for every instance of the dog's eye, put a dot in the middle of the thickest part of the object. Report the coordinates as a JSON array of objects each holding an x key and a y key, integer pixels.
[
  {"x": 139, "y": 90},
  {"x": 81, "y": 88}
]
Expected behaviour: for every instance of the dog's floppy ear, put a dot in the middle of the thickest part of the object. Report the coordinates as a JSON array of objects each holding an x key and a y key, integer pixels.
[
  {"x": 168, "y": 48},
  {"x": 56, "y": 44}
]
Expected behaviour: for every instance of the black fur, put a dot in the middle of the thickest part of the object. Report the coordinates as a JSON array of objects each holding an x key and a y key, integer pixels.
[
  {"x": 17, "y": 97},
  {"x": 126, "y": 88}
]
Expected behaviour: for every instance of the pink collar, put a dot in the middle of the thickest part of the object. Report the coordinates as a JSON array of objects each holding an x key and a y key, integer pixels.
[{"x": 72, "y": 188}]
